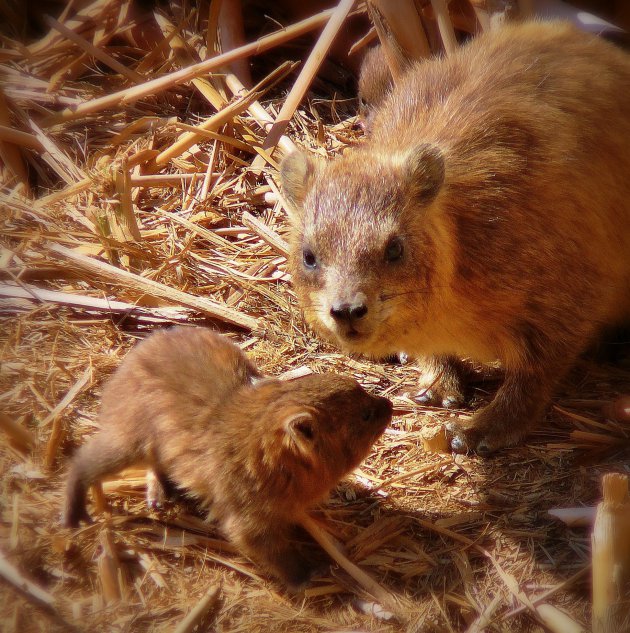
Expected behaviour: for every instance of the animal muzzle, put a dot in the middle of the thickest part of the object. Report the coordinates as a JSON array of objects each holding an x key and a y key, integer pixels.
[{"x": 349, "y": 312}]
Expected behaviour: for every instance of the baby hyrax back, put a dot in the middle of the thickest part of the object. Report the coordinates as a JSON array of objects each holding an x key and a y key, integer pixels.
[
  {"x": 257, "y": 451},
  {"x": 375, "y": 83},
  {"x": 487, "y": 216}
]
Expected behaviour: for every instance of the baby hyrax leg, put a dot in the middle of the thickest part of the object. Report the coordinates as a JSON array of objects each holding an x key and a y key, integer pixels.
[
  {"x": 156, "y": 493},
  {"x": 441, "y": 381},
  {"x": 160, "y": 488},
  {"x": 101, "y": 456},
  {"x": 273, "y": 548}
]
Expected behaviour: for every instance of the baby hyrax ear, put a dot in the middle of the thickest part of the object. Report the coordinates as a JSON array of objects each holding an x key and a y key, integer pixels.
[
  {"x": 300, "y": 426},
  {"x": 425, "y": 171},
  {"x": 296, "y": 173}
]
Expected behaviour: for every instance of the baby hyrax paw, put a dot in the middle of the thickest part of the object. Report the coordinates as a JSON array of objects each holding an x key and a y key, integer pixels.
[{"x": 440, "y": 384}]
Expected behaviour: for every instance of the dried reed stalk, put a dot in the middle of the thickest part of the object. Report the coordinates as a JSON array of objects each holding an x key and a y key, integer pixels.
[
  {"x": 21, "y": 438},
  {"x": 380, "y": 594},
  {"x": 155, "y": 86},
  {"x": 232, "y": 35},
  {"x": 181, "y": 53},
  {"x": 574, "y": 517},
  {"x": 209, "y": 600},
  {"x": 405, "y": 26},
  {"x": 109, "y": 569},
  {"x": 34, "y": 594},
  {"x": 258, "y": 113},
  {"x": 81, "y": 20},
  {"x": 57, "y": 196},
  {"x": 266, "y": 234},
  {"x": 611, "y": 557},
  {"x": 122, "y": 218},
  {"x": 17, "y": 137},
  {"x": 57, "y": 431},
  {"x": 434, "y": 439},
  {"x": 10, "y": 153},
  {"x": 165, "y": 180},
  {"x": 94, "y": 51},
  {"x": 485, "y": 617},
  {"x": 170, "y": 550},
  {"x": 557, "y": 620},
  {"x": 416, "y": 471},
  {"x": 445, "y": 26},
  {"x": 305, "y": 78},
  {"x": 92, "y": 304},
  {"x": 550, "y": 592},
  {"x": 153, "y": 288},
  {"x": 188, "y": 139}
]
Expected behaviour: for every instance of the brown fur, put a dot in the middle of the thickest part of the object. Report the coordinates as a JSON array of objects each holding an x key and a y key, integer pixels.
[
  {"x": 375, "y": 83},
  {"x": 503, "y": 172},
  {"x": 256, "y": 452}
]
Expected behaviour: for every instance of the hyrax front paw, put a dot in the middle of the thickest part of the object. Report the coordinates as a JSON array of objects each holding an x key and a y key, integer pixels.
[
  {"x": 463, "y": 439},
  {"x": 484, "y": 434},
  {"x": 517, "y": 409},
  {"x": 441, "y": 382}
]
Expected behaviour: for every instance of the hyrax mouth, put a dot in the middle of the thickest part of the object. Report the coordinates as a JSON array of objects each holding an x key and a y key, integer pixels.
[
  {"x": 350, "y": 334},
  {"x": 349, "y": 318}
]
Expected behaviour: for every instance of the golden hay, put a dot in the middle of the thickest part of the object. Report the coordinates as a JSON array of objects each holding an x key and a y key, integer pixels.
[{"x": 124, "y": 217}]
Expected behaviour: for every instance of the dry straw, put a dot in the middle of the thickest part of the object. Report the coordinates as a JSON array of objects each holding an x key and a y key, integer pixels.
[{"x": 139, "y": 189}]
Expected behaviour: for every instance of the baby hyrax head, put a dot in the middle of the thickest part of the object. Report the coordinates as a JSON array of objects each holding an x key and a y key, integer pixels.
[
  {"x": 322, "y": 426},
  {"x": 363, "y": 242}
]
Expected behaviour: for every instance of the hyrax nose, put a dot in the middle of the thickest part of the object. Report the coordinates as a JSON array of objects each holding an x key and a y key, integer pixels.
[{"x": 348, "y": 311}]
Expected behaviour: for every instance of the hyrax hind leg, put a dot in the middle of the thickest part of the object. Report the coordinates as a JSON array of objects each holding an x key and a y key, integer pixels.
[
  {"x": 102, "y": 455},
  {"x": 441, "y": 381}
]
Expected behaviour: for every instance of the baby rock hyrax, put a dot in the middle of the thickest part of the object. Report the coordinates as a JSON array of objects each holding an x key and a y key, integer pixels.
[
  {"x": 375, "y": 83},
  {"x": 487, "y": 216},
  {"x": 256, "y": 451}
]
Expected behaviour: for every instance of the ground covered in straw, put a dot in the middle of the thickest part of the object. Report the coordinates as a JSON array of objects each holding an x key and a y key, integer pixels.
[{"x": 453, "y": 537}]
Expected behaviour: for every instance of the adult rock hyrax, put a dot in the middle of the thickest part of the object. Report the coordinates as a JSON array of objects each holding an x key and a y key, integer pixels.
[
  {"x": 257, "y": 452},
  {"x": 487, "y": 216}
]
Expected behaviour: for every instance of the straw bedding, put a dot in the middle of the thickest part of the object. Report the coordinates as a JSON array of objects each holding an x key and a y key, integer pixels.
[{"x": 454, "y": 538}]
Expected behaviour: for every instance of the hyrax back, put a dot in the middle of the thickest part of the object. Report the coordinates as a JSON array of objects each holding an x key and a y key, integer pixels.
[
  {"x": 164, "y": 392},
  {"x": 487, "y": 216},
  {"x": 256, "y": 451}
]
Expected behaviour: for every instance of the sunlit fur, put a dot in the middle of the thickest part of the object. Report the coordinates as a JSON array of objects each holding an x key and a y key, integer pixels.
[
  {"x": 256, "y": 452},
  {"x": 524, "y": 251},
  {"x": 375, "y": 83}
]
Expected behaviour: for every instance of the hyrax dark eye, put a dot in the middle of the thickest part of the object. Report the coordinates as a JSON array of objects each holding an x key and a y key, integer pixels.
[
  {"x": 309, "y": 259},
  {"x": 367, "y": 415},
  {"x": 394, "y": 250}
]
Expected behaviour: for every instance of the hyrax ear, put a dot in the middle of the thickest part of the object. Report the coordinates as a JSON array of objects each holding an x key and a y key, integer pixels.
[
  {"x": 300, "y": 428},
  {"x": 425, "y": 171},
  {"x": 296, "y": 174}
]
